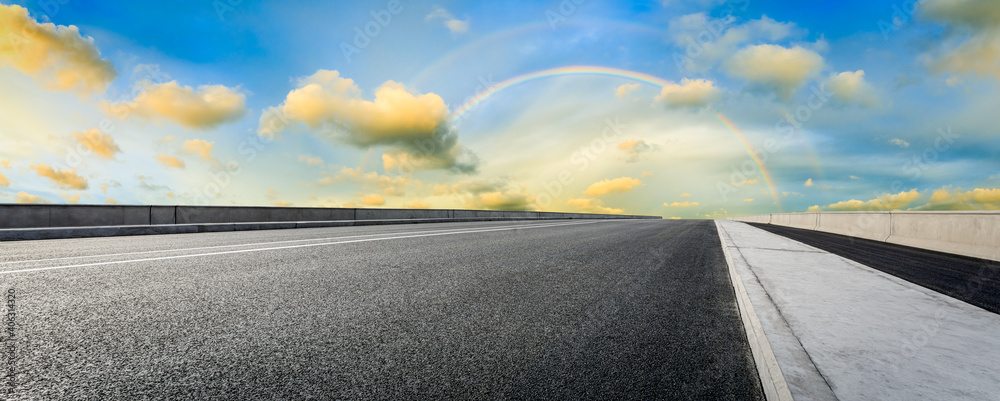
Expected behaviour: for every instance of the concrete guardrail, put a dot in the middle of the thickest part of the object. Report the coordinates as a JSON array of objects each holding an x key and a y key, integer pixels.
[
  {"x": 967, "y": 233},
  {"x": 18, "y": 222}
]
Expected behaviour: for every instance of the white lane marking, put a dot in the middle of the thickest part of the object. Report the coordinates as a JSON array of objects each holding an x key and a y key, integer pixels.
[
  {"x": 241, "y": 245},
  {"x": 286, "y": 247}
]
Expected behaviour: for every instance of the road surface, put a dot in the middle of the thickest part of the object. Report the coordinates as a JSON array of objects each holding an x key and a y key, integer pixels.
[{"x": 632, "y": 309}]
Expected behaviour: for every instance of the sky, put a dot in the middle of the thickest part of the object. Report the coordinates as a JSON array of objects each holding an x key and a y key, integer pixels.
[{"x": 681, "y": 109}]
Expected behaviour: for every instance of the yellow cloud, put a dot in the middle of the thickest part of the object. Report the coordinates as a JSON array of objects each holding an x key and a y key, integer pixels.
[
  {"x": 98, "y": 142},
  {"x": 884, "y": 202},
  {"x": 169, "y": 161},
  {"x": 311, "y": 160},
  {"x": 390, "y": 185},
  {"x": 634, "y": 148},
  {"x": 56, "y": 55},
  {"x": 373, "y": 200},
  {"x": 809, "y": 182},
  {"x": 199, "y": 147},
  {"x": 110, "y": 201},
  {"x": 416, "y": 125},
  {"x": 673, "y": 218},
  {"x": 784, "y": 69},
  {"x": 685, "y": 195},
  {"x": 604, "y": 187},
  {"x": 72, "y": 200},
  {"x": 4, "y": 182},
  {"x": 65, "y": 179},
  {"x": 208, "y": 107},
  {"x": 590, "y": 205},
  {"x": 976, "y": 199},
  {"x": 851, "y": 87},
  {"x": 980, "y": 52},
  {"x": 281, "y": 203},
  {"x": 748, "y": 200},
  {"x": 625, "y": 90},
  {"x": 647, "y": 174},
  {"x": 689, "y": 93},
  {"x": 680, "y": 204},
  {"x": 417, "y": 204},
  {"x": 24, "y": 197},
  {"x": 506, "y": 200}
]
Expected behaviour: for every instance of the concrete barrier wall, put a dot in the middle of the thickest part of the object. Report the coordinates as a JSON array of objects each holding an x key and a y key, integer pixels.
[
  {"x": 798, "y": 220},
  {"x": 868, "y": 225},
  {"x": 44, "y": 216},
  {"x": 974, "y": 234},
  {"x": 968, "y": 233}
]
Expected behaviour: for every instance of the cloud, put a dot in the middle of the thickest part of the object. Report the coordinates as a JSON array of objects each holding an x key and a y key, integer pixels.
[
  {"x": 453, "y": 24},
  {"x": 590, "y": 205},
  {"x": 4, "y": 164},
  {"x": 634, "y": 149},
  {"x": 973, "y": 48},
  {"x": 851, "y": 87},
  {"x": 24, "y": 197},
  {"x": 110, "y": 201},
  {"x": 56, "y": 55},
  {"x": 281, "y": 203},
  {"x": 783, "y": 69},
  {"x": 389, "y": 185},
  {"x": 64, "y": 179},
  {"x": 692, "y": 93},
  {"x": 207, "y": 107},
  {"x": 647, "y": 174},
  {"x": 169, "y": 161},
  {"x": 417, "y": 204},
  {"x": 685, "y": 195},
  {"x": 98, "y": 142},
  {"x": 625, "y": 90},
  {"x": 809, "y": 182},
  {"x": 748, "y": 200},
  {"x": 617, "y": 185},
  {"x": 705, "y": 41},
  {"x": 199, "y": 147},
  {"x": 513, "y": 199},
  {"x": 884, "y": 202},
  {"x": 373, "y": 200},
  {"x": 72, "y": 200},
  {"x": 895, "y": 141},
  {"x": 311, "y": 160},
  {"x": 976, "y": 199},
  {"x": 415, "y": 126},
  {"x": 680, "y": 204}
]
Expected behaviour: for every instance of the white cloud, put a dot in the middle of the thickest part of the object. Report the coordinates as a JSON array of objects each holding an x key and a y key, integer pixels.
[
  {"x": 453, "y": 24},
  {"x": 851, "y": 86},
  {"x": 780, "y": 68},
  {"x": 625, "y": 90},
  {"x": 689, "y": 93}
]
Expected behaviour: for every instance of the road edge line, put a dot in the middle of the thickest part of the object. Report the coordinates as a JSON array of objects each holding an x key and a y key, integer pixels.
[{"x": 771, "y": 378}]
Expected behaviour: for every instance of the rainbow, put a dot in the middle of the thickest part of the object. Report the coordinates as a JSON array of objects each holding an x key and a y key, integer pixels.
[
  {"x": 753, "y": 156},
  {"x": 556, "y": 72}
]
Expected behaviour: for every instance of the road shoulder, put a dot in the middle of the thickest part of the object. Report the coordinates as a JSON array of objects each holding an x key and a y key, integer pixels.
[{"x": 841, "y": 330}]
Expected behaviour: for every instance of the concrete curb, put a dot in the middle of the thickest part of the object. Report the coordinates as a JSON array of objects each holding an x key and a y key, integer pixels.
[
  {"x": 25, "y": 234},
  {"x": 771, "y": 378}
]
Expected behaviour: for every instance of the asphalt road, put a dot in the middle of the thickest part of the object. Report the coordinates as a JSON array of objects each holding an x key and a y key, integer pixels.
[
  {"x": 639, "y": 309},
  {"x": 973, "y": 280}
]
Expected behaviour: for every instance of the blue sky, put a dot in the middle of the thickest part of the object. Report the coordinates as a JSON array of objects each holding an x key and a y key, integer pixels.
[{"x": 846, "y": 105}]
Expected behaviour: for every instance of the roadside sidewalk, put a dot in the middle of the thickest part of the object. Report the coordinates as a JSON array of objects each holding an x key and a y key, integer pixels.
[{"x": 841, "y": 330}]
